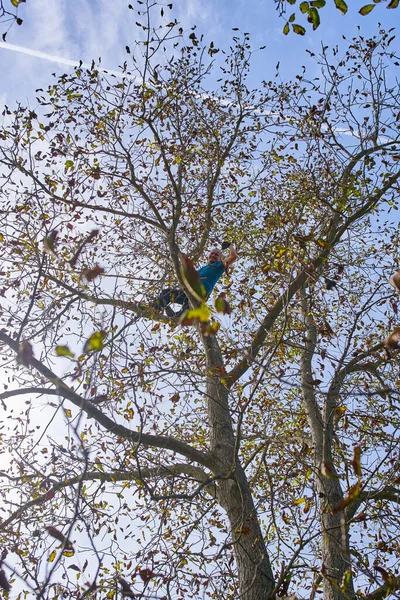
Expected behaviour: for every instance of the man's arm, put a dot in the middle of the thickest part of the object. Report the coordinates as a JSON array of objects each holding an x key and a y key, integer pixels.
[{"x": 231, "y": 258}]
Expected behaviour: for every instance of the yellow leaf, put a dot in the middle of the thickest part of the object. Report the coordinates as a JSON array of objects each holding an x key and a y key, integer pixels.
[
  {"x": 299, "y": 501},
  {"x": 52, "y": 556},
  {"x": 64, "y": 351},
  {"x": 202, "y": 314},
  {"x": 1, "y": 237},
  {"x": 68, "y": 412},
  {"x": 95, "y": 342},
  {"x": 68, "y": 552}
]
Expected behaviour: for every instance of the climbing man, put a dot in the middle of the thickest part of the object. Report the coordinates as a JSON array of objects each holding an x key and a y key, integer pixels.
[{"x": 209, "y": 275}]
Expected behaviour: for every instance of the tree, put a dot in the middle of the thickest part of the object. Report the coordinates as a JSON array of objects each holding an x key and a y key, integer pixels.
[
  {"x": 194, "y": 461},
  {"x": 311, "y": 11},
  {"x": 9, "y": 15}
]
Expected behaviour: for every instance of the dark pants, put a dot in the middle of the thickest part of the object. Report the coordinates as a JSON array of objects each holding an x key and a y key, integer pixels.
[{"x": 171, "y": 295}]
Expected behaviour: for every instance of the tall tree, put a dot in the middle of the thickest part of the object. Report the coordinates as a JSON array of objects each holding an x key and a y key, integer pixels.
[{"x": 254, "y": 450}]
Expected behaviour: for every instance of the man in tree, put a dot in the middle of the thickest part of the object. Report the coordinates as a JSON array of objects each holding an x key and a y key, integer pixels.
[{"x": 209, "y": 276}]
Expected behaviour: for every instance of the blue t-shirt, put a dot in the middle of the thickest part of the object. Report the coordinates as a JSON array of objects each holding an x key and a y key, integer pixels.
[{"x": 209, "y": 275}]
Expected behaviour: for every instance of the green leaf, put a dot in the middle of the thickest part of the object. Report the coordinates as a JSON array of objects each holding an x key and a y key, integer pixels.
[
  {"x": 201, "y": 314},
  {"x": 318, "y": 3},
  {"x": 64, "y": 351},
  {"x": 292, "y": 18},
  {"x": 342, "y": 6},
  {"x": 303, "y": 7},
  {"x": 313, "y": 17},
  {"x": 365, "y": 10},
  {"x": 69, "y": 164},
  {"x": 299, "y": 29},
  {"x": 286, "y": 29},
  {"x": 15, "y": 3},
  {"x": 95, "y": 342},
  {"x": 393, "y": 4}
]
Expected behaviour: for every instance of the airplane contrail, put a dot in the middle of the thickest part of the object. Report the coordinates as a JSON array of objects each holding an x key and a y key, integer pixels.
[
  {"x": 74, "y": 63},
  {"x": 59, "y": 59}
]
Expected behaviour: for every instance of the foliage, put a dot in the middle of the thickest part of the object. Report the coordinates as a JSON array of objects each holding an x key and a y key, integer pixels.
[
  {"x": 256, "y": 452},
  {"x": 311, "y": 11},
  {"x": 9, "y": 14}
]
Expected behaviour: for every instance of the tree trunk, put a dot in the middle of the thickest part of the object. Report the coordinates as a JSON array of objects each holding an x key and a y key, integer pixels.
[
  {"x": 335, "y": 543},
  {"x": 256, "y": 581}
]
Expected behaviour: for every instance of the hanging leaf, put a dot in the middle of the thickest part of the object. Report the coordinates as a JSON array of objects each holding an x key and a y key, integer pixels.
[
  {"x": 347, "y": 575},
  {"x": 222, "y": 305},
  {"x": 313, "y": 17},
  {"x": 304, "y": 7},
  {"x": 393, "y": 4},
  {"x": 351, "y": 495},
  {"x": 25, "y": 354},
  {"x": 342, "y": 6},
  {"x": 286, "y": 29},
  {"x": 318, "y": 3},
  {"x": 365, "y": 10},
  {"x": 55, "y": 533},
  {"x": 299, "y": 29},
  {"x": 91, "y": 274},
  {"x": 191, "y": 278},
  {"x": 64, "y": 351},
  {"x": 210, "y": 328},
  {"x": 356, "y": 462},
  {"x": 202, "y": 314},
  {"x": 52, "y": 556},
  {"x": 95, "y": 342},
  {"x": 49, "y": 242}
]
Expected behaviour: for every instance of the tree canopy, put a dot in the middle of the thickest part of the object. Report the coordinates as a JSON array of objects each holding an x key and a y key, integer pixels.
[
  {"x": 311, "y": 11},
  {"x": 253, "y": 453}
]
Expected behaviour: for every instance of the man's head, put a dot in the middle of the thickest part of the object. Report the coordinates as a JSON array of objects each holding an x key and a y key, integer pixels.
[{"x": 214, "y": 256}]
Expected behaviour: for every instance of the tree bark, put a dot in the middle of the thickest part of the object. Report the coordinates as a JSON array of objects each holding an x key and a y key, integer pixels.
[{"x": 256, "y": 581}]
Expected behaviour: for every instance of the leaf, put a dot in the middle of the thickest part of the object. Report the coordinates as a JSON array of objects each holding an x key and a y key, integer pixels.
[
  {"x": 52, "y": 556},
  {"x": 191, "y": 278},
  {"x": 202, "y": 314},
  {"x": 303, "y": 7},
  {"x": 146, "y": 575},
  {"x": 393, "y": 4},
  {"x": 91, "y": 274},
  {"x": 68, "y": 412},
  {"x": 365, "y": 10},
  {"x": 15, "y": 3},
  {"x": 222, "y": 305},
  {"x": 347, "y": 575},
  {"x": 49, "y": 242},
  {"x": 313, "y": 17},
  {"x": 299, "y": 501},
  {"x": 210, "y": 328},
  {"x": 55, "y": 533},
  {"x": 69, "y": 165},
  {"x": 351, "y": 495},
  {"x": 286, "y": 29},
  {"x": 318, "y": 3},
  {"x": 356, "y": 462},
  {"x": 95, "y": 342},
  {"x": 25, "y": 353},
  {"x": 342, "y": 6},
  {"x": 74, "y": 568},
  {"x": 64, "y": 351},
  {"x": 299, "y": 29}
]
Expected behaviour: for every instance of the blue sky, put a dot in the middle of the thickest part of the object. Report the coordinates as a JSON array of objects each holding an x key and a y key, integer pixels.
[{"x": 100, "y": 28}]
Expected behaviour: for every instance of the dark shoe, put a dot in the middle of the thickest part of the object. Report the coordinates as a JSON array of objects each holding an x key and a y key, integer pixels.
[{"x": 170, "y": 312}]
